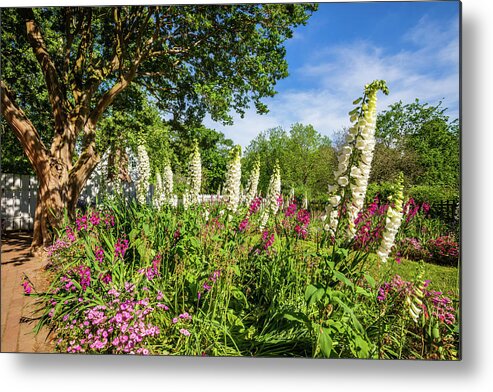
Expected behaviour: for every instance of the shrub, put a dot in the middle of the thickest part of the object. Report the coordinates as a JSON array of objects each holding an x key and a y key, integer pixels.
[{"x": 443, "y": 250}]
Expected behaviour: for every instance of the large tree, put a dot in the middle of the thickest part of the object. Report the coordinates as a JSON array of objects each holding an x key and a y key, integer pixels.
[{"x": 195, "y": 59}]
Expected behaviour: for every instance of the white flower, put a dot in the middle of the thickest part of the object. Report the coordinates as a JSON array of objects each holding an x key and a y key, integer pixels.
[
  {"x": 168, "y": 184},
  {"x": 263, "y": 220},
  {"x": 158, "y": 197},
  {"x": 392, "y": 224},
  {"x": 343, "y": 181},
  {"x": 253, "y": 182},
  {"x": 274, "y": 191},
  {"x": 186, "y": 199},
  {"x": 359, "y": 149},
  {"x": 273, "y": 196},
  {"x": 334, "y": 200},
  {"x": 233, "y": 180},
  {"x": 365, "y": 142},
  {"x": 195, "y": 175},
  {"x": 144, "y": 171}
]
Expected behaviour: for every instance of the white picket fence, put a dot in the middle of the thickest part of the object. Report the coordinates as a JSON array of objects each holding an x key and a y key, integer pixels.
[
  {"x": 19, "y": 193},
  {"x": 18, "y": 201}
]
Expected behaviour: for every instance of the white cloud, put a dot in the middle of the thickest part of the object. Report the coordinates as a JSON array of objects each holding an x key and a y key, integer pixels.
[{"x": 428, "y": 69}]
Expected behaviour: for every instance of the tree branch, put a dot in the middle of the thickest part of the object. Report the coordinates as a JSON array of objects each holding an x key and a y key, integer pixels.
[
  {"x": 48, "y": 68},
  {"x": 24, "y": 130}
]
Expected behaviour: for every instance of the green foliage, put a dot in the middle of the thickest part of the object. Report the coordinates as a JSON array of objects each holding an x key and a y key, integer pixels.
[
  {"x": 133, "y": 120},
  {"x": 214, "y": 150},
  {"x": 420, "y": 193},
  {"x": 305, "y": 157},
  {"x": 193, "y": 59},
  {"x": 245, "y": 295},
  {"x": 433, "y": 194},
  {"x": 420, "y": 141},
  {"x": 21, "y": 71}
]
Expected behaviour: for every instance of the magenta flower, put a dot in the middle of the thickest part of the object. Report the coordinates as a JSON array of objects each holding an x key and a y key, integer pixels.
[
  {"x": 185, "y": 332},
  {"x": 121, "y": 247},
  {"x": 99, "y": 254},
  {"x": 27, "y": 287},
  {"x": 106, "y": 278},
  {"x": 243, "y": 225},
  {"x": 70, "y": 233},
  {"x": 95, "y": 219},
  {"x": 81, "y": 223},
  {"x": 291, "y": 210},
  {"x": 85, "y": 276},
  {"x": 109, "y": 220},
  {"x": 254, "y": 205},
  {"x": 268, "y": 239}
]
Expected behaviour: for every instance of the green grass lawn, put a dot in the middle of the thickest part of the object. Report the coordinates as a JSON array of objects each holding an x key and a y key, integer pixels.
[{"x": 445, "y": 279}]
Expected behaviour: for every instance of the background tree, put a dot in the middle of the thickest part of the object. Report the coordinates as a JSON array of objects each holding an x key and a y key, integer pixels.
[
  {"x": 194, "y": 59},
  {"x": 422, "y": 142},
  {"x": 214, "y": 149},
  {"x": 306, "y": 159},
  {"x": 269, "y": 146}
]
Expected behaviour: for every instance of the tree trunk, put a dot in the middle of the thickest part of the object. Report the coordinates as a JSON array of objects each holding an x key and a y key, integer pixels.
[
  {"x": 56, "y": 200},
  {"x": 52, "y": 202}
]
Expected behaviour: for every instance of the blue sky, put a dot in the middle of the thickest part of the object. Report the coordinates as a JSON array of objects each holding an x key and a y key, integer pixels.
[{"x": 414, "y": 46}]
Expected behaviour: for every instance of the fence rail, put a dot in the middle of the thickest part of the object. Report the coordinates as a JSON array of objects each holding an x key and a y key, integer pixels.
[
  {"x": 18, "y": 201},
  {"x": 19, "y": 195}
]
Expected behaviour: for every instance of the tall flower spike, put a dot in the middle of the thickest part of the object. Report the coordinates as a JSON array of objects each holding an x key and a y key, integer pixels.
[
  {"x": 233, "y": 180},
  {"x": 158, "y": 197},
  {"x": 274, "y": 192},
  {"x": 168, "y": 184},
  {"x": 273, "y": 196},
  {"x": 253, "y": 182},
  {"x": 144, "y": 171},
  {"x": 392, "y": 222},
  {"x": 360, "y": 172},
  {"x": 195, "y": 174},
  {"x": 354, "y": 161},
  {"x": 414, "y": 300}
]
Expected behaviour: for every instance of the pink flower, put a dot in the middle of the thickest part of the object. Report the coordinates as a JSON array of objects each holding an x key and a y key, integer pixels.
[
  {"x": 291, "y": 210},
  {"x": 70, "y": 233},
  {"x": 27, "y": 287},
  {"x": 95, "y": 219},
  {"x": 185, "y": 332},
  {"x": 254, "y": 205},
  {"x": 81, "y": 223},
  {"x": 268, "y": 240},
  {"x": 99, "y": 254},
  {"x": 121, "y": 247},
  {"x": 243, "y": 225}
]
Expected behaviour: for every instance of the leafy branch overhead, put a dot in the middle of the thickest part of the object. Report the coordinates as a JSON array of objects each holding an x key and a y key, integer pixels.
[{"x": 64, "y": 67}]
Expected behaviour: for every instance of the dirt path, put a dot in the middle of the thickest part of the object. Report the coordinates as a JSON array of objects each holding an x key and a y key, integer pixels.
[{"x": 16, "y": 308}]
